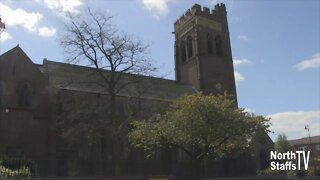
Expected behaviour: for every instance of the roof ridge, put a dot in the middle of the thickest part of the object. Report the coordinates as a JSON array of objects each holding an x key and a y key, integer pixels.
[
  {"x": 12, "y": 49},
  {"x": 105, "y": 70}
]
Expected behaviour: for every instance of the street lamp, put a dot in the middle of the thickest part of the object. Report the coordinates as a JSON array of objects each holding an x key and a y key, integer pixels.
[
  {"x": 310, "y": 148},
  {"x": 307, "y": 128}
]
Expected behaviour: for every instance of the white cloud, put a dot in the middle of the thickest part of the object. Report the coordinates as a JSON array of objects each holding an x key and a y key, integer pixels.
[
  {"x": 235, "y": 19},
  {"x": 243, "y": 37},
  {"x": 293, "y": 123},
  {"x": 158, "y": 8},
  {"x": 47, "y": 32},
  {"x": 28, "y": 20},
  {"x": 314, "y": 62},
  {"x": 5, "y": 36},
  {"x": 249, "y": 110},
  {"x": 238, "y": 77},
  {"x": 237, "y": 61},
  {"x": 20, "y": 17},
  {"x": 63, "y": 6}
]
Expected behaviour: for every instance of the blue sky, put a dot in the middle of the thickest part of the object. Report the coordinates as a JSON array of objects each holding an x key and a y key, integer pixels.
[{"x": 275, "y": 46}]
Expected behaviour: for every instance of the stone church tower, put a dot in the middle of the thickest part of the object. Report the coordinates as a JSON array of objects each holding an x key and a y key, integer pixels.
[{"x": 203, "y": 51}]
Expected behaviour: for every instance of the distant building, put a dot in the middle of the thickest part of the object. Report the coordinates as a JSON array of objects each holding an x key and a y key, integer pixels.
[
  {"x": 35, "y": 98},
  {"x": 311, "y": 144}
]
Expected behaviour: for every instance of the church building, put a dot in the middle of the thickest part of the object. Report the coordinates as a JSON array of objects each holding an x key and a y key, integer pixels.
[{"x": 35, "y": 98}]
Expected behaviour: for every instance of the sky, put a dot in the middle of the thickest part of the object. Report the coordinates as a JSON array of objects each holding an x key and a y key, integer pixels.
[{"x": 275, "y": 47}]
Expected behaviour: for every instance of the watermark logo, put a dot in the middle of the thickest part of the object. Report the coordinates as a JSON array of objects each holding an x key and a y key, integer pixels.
[{"x": 291, "y": 160}]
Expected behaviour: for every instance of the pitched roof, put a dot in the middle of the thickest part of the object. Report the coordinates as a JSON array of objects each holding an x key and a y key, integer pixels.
[
  {"x": 14, "y": 53},
  {"x": 305, "y": 141},
  {"x": 17, "y": 56},
  {"x": 87, "y": 79}
]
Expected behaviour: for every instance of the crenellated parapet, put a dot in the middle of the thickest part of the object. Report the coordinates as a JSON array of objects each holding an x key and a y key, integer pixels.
[
  {"x": 213, "y": 19},
  {"x": 215, "y": 14}
]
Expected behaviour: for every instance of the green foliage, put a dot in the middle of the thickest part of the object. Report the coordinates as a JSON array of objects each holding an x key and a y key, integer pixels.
[
  {"x": 14, "y": 168},
  {"x": 311, "y": 171},
  {"x": 291, "y": 174},
  {"x": 268, "y": 172},
  {"x": 201, "y": 126},
  {"x": 80, "y": 127},
  {"x": 17, "y": 168},
  {"x": 317, "y": 164},
  {"x": 16, "y": 163},
  {"x": 22, "y": 172},
  {"x": 282, "y": 144},
  {"x": 301, "y": 173}
]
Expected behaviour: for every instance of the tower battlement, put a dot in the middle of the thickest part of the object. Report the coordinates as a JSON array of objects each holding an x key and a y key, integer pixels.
[
  {"x": 196, "y": 10},
  {"x": 203, "y": 55}
]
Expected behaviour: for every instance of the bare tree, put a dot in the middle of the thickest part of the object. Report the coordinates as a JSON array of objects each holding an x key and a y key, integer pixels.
[{"x": 93, "y": 39}]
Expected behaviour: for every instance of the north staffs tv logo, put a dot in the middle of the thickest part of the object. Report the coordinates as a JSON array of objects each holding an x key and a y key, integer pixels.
[{"x": 289, "y": 161}]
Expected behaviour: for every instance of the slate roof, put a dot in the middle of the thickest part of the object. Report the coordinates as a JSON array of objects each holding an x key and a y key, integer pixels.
[
  {"x": 86, "y": 79},
  {"x": 305, "y": 141}
]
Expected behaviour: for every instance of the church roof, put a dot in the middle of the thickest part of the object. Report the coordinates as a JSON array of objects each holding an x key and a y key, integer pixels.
[
  {"x": 86, "y": 79},
  {"x": 17, "y": 59},
  {"x": 305, "y": 141}
]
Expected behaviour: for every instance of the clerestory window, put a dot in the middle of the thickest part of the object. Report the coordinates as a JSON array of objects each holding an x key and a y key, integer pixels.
[
  {"x": 210, "y": 45},
  {"x": 183, "y": 51},
  {"x": 190, "y": 46},
  {"x": 219, "y": 48}
]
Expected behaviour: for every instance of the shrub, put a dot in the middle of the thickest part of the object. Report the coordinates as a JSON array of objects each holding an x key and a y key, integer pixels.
[
  {"x": 268, "y": 172},
  {"x": 291, "y": 174},
  {"x": 22, "y": 172},
  {"x": 301, "y": 173},
  {"x": 16, "y": 168}
]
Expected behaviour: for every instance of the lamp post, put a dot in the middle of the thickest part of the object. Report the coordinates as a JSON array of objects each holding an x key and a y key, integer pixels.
[
  {"x": 307, "y": 128},
  {"x": 310, "y": 148}
]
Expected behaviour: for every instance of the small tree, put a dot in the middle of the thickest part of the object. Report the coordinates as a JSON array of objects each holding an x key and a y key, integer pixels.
[
  {"x": 93, "y": 40},
  {"x": 282, "y": 144},
  {"x": 201, "y": 126}
]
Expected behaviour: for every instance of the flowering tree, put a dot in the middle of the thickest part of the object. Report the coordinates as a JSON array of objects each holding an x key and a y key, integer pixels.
[{"x": 201, "y": 126}]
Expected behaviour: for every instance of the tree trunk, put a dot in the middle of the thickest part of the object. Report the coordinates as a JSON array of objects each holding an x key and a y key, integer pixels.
[
  {"x": 103, "y": 153},
  {"x": 116, "y": 156},
  {"x": 198, "y": 172},
  {"x": 116, "y": 140}
]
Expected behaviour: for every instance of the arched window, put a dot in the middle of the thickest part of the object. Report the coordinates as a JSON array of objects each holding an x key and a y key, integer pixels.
[
  {"x": 219, "y": 48},
  {"x": 210, "y": 45},
  {"x": 190, "y": 47},
  {"x": 24, "y": 96},
  {"x": 183, "y": 51}
]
